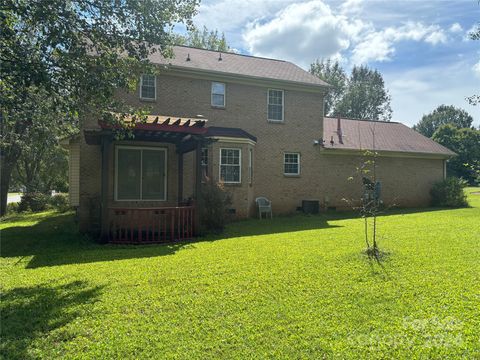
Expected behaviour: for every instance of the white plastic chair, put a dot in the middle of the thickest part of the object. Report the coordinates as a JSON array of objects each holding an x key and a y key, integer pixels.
[{"x": 264, "y": 207}]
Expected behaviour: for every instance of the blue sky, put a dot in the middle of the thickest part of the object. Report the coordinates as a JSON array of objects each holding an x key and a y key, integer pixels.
[{"x": 421, "y": 47}]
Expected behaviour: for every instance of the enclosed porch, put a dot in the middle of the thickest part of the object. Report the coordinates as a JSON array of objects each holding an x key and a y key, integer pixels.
[{"x": 142, "y": 179}]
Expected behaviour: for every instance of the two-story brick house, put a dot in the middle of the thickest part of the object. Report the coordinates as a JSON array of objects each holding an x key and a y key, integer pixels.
[{"x": 268, "y": 137}]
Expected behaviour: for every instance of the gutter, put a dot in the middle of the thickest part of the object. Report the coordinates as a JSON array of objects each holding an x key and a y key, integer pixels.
[{"x": 386, "y": 153}]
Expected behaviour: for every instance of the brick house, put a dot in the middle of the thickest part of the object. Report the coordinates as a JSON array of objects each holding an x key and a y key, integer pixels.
[{"x": 255, "y": 124}]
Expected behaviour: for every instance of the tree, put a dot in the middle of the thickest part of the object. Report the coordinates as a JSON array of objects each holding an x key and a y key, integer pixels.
[
  {"x": 205, "y": 39},
  {"x": 443, "y": 114},
  {"x": 79, "y": 52},
  {"x": 333, "y": 74},
  {"x": 474, "y": 35},
  {"x": 365, "y": 96},
  {"x": 42, "y": 165},
  {"x": 466, "y": 143}
]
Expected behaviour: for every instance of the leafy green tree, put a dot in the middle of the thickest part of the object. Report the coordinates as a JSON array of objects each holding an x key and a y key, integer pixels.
[
  {"x": 466, "y": 143},
  {"x": 333, "y": 74},
  {"x": 443, "y": 114},
  {"x": 204, "y": 39},
  {"x": 79, "y": 52},
  {"x": 365, "y": 96},
  {"x": 42, "y": 165},
  {"x": 474, "y": 35}
]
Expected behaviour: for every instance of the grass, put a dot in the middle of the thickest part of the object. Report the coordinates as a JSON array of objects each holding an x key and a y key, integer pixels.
[{"x": 296, "y": 287}]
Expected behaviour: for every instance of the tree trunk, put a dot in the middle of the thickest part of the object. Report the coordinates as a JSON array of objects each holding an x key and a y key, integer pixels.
[{"x": 6, "y": 168}]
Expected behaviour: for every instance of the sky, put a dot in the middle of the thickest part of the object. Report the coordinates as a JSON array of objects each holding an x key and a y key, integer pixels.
[{"x": 421, "y": 47}]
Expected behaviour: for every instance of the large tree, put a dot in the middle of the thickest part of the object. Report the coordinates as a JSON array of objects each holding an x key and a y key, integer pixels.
[
  {"x": 79, "y": 52},
  {"x": 204, "y": 39},
  {"x": 365, "y": 96},
  {"x": 443, "y": 114},
  {"x": 332, "y": 73},
  {"x": 466, "y": 143},
  {"x": 362, "y": 95}
]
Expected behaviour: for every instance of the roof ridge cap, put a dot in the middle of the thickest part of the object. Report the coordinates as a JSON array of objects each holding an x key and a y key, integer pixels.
[{"x": 233, "y": 53}]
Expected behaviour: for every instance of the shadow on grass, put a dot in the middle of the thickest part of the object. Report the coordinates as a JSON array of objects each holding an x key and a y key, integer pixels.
[
  {"x": 54, "y": 240},
  {"x": 32, "y": 313}
]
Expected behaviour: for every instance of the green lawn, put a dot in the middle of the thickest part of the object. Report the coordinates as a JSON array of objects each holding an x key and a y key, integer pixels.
[{"x": 296, "y": 287}]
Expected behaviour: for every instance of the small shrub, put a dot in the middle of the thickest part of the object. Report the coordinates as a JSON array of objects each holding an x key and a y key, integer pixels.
[
  {"x": 12, "y": 208},
  {"x": 34, "y": 202},
  {"x": 215, "y": 202},
  {"x": 449, "y": 193},
  {"x": 60, "y": 202}
]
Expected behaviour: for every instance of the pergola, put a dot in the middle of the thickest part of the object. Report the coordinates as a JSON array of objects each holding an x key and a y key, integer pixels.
[{"x": 187, "y": 134}]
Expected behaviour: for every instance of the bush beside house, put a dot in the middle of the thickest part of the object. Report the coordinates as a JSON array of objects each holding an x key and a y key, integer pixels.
[{"x": 449, "y": 193}]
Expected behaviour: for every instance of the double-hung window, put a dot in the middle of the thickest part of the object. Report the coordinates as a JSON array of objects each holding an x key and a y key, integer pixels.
[
  {"x": 275, "y": 101},
  {"x": 291, "y": 164},
  {"x": 218, "y": 94},
  {"x": 230, "y": 165},
  {"x": 140, "y": 173},
  {"x": 148, "y": 90}
]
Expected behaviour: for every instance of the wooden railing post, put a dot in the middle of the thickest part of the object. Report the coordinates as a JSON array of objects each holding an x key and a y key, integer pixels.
[
  {"x": 105, "y": 147},
  {"x": 198, "y": 186}
]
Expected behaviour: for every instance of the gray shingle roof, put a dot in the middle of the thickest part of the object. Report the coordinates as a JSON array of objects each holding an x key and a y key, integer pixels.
[
  {"x": 236, "y": 64},
  {"x": 389, "y": 136},
  {"x": 229, "y": 132}
]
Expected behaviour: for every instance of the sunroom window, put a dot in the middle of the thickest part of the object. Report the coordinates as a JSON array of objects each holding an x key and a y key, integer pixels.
[
  {"x": 140, "y": 174},
  {"x": 230, "y": 165}
]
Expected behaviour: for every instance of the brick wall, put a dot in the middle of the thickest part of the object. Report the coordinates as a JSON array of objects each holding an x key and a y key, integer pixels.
[{"x": 324, "y": 176}]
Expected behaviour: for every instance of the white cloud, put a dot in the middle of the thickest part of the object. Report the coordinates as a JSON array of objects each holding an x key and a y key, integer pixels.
[
  {"x": 436, "y": 37},
  {"x": 302, "y": 32},
  {"x": 476, "y": 69},
  {"x": 351, "y": 7},
  {"x": 379, "y": 45},
  {"x": 455, "y": 28},
  {"x": 230, "y": 16},
  {"x": 418, "y": 91}
]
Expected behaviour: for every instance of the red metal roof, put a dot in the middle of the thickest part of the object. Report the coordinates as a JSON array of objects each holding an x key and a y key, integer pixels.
[{"x": 357, "y": 134}]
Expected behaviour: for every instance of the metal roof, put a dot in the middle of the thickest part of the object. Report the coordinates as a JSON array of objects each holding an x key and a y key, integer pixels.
[{"x": 357, "y": 134}]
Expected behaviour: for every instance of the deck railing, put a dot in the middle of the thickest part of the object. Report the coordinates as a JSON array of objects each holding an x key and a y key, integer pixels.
[{"x": 151, "y": 225}]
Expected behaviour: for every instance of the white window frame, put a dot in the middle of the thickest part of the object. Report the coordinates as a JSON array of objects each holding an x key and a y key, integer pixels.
[
  {"x": 284, "y": 163},
  {"x": 224, "y": 95},
  {"x": 283, "y": 105},
  {"x": 250, "y": 166},
  {"x": 154, "y": 87},
  {"x": 165, "y": 151},
  {"x": 205, "y": 165},
  {"x": 239, "y": 164}
]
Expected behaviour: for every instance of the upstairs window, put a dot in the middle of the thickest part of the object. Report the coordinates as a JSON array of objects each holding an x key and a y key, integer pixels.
[
  {"x": 291, "y": 164},
  {"x": 275, "y": 105},
  {"x": 218, "y": 94},
  {"x": 230, "y": 165},
  {"x": 148, "y": 90}
]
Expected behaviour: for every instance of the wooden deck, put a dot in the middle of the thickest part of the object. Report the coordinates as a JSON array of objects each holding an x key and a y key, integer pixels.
[{"x": 151, "y": 225}]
